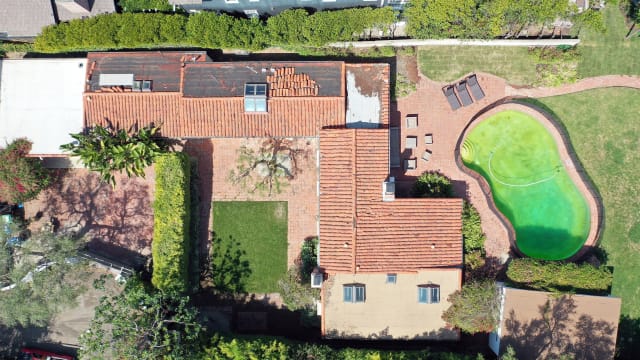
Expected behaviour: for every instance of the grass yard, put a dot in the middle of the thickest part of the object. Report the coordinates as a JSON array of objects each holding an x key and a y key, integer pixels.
[
  {"x": 605, "y": 54},
  {"x": 604, "y": 129},
  {"x": 250, "y": 249},
  {"x": 447, "y": 63}
]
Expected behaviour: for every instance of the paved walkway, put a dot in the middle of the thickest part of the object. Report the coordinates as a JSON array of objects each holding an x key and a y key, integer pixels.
[
  {"x": 435, "y": 117},
  {"x": 456, "y": 42}
]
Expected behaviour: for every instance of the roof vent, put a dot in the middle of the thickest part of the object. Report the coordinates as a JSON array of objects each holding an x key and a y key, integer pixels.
[{"x": 389, "y": 189}]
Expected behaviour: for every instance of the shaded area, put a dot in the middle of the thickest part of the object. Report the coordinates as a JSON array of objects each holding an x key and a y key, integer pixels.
[
  {"x": 555, "y": 332},
  {"x": 229, "y": 267}
]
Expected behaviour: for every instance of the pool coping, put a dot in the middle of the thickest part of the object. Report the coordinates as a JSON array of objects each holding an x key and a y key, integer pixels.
[{"x": 567, "y": 156}]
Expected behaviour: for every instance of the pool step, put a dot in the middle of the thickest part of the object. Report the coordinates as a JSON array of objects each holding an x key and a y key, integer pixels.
[{"x": 467, "y": 151}]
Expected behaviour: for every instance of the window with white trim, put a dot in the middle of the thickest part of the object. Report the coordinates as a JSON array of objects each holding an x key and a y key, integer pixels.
[
  {"x": 429, "y": 294},
  {"x": 255, "y": 97},
  {"x": 392, "y": 278},
  {"x": 353, "y": 293}
]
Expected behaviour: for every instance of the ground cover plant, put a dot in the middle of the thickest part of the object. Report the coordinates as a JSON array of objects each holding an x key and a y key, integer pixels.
[
  {"x": 171, "y": 219},
  {"x": 603, "y": 129},
  {"x": 249, "y": 251}
]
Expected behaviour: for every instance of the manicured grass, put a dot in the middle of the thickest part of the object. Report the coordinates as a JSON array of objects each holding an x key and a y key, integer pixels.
[
  {"x": 604, "y": 129},
  {"x": 447, "y": 63},
  {"x": 609, "y": 53},
  {"x": 251, "y": 245}
]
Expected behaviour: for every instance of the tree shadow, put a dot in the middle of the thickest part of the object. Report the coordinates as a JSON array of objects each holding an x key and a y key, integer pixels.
[
  {"x": 558, "y": 330},
  {"x": 85, "y": 206},
  {"x": 229, "y": 269},
  {"x": 628, "y": 344}
]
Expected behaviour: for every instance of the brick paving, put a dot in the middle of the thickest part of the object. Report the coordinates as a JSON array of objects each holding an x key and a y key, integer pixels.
[{"x": 435, "y": 117}]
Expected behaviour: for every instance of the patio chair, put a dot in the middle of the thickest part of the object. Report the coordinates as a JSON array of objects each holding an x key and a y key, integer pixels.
[
  {"x": 411, "y": 142},
  {"x": 428, "y": 139},
  {"x": 426, "y": 155},
  {"x": 451, "y": 97},
  {"x": 461, "y": 89},
  {"x": 410, "y": 164},
  {"x": 412, "y": 121},
  {"x": 475, "y": 88}
]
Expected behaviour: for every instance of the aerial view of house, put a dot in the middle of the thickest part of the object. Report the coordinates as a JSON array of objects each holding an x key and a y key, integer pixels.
[{"x": 319, "y": 179}]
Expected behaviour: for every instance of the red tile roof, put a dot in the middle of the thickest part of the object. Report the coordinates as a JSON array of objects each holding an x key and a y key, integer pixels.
[
  {"x": 361, "y": 233},
  {"x": 214, "y": 117}
]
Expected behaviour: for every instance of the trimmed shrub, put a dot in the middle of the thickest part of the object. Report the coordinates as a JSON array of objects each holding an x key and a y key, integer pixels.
[
  {"x": 472, "y": 233},
  {"x": 559, "y": 277},
  {"x": 21, "y": 177},
  {"x": 141, "y": 5},
  {"x": 432, "y": 184},
  {"x": 171, "y": 216}
]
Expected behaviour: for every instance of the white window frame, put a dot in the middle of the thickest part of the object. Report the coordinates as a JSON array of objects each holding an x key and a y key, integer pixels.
[
  {"x": 357, "y": 293},
  {"x": 432, "y": 293}
]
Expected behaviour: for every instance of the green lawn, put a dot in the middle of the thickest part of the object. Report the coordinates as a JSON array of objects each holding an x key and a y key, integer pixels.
[
  {"x": 604, "y": 54},
  {"x": 604, "y": 129},
  {"x": 249, "y": 251},
  {"x": 447, "y": 63}
]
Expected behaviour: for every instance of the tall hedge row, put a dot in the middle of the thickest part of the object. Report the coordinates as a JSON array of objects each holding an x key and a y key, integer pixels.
[
  {"x": 171, "y": 215},
  {"x": 559, "y": 276},
  {"x": 210, "y": 30}
]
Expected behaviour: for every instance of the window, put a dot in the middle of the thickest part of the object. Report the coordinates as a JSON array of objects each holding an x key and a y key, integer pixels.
[
  {"x": 255, "y": 97},
  {"x": 353, "y": 293},
  {"x": 391, "y": 278},
  {"x": 429, "y": 294}
]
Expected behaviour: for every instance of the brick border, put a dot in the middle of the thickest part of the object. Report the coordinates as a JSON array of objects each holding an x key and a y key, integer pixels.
[{"x": 567, "y": 156}]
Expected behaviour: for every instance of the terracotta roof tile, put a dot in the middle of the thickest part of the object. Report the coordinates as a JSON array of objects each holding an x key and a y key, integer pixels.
[
  {"x": 403, "y": 235},
  {"x": 214, "y": 117}
]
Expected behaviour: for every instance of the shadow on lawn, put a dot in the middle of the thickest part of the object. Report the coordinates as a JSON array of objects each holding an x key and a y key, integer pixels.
[
  {"x": 628, "y": 345},
  {"x": 228, "y": 268}
]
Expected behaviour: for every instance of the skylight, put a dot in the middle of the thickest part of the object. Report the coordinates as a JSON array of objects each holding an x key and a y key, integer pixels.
[{"x": 255, "y": 97}]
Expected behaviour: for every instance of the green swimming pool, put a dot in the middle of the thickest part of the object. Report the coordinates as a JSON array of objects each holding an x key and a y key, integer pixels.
[{"x": 519, "y": 159}]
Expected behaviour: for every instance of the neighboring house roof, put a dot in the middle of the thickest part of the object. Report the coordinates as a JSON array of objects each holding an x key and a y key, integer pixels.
[
  {"x": 361, "y": 233},
  {"x": 543, "y": 325},
  {"x": 24, "y": 18},
  {"x": 41, "y": 99},
  {"x": 77, "y": 9},
  {"x": 390, "y": 310}
]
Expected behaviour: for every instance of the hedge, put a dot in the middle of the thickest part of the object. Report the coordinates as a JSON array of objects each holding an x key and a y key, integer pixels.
[
  {"x": 210, "y": 30},
  {"x": 273, "y": 348},
  {"x": 559, "y": 277},
  {"x": 171, "y": 210}
]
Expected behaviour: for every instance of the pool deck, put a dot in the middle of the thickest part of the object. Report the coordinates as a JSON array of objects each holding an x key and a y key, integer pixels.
[{"x": 447, "y": 127}]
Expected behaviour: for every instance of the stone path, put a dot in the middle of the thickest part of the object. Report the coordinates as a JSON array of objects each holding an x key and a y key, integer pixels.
[{"x": 435, "y": 117}]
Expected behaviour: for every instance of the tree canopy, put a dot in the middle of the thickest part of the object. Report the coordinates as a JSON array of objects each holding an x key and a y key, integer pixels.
[
  {"x": 21, "y": 177},
  {"x": 475, "y": 308}
]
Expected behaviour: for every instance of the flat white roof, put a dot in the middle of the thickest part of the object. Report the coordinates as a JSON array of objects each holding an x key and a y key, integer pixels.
[{"x": 41, "y": 99}]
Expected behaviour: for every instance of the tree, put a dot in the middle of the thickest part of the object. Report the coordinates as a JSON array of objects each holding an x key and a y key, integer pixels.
[
  {"x": 270, "y": 167},
  {"x": 106, "y": 150},
  {"x": 21, "y": 177},
  {"x": 38, "y": 289},
  {"x": 142, "y": 323},
  {"x": 432, "y": 184},
  {"x": 475, "y": 308},
  {"x": 440, "y": 18}
]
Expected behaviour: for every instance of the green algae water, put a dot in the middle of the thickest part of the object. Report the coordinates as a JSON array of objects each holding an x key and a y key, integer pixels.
[{"x": 519, "y": 159}]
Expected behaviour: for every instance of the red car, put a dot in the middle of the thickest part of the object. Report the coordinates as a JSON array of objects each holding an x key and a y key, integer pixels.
[{"x": 36, "y": 354}]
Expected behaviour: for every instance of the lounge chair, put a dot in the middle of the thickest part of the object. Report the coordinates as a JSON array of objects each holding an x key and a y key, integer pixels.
[
  {"x": 475, "y": 88},
  {"x": 461, "y": 89},
  {"x": 451, "y": 97}
]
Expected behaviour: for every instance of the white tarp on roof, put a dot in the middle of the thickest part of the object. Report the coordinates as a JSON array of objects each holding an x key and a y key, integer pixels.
[{"x": 41, "y": 99}]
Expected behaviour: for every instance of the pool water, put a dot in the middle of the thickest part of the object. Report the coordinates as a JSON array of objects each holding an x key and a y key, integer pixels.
[{"x": 519, "y": 159}]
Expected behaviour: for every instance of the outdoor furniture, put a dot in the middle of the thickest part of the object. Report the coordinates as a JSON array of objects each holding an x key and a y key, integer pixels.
[
  {"x": 426, "y": 155},
  {"x": 451, "y": 97},
  {"x": 428, "y": 139},
  {"x": 411, "y": 142},
  {"x": 412, "y": 121},
  {"x": 475, "y": 88},
  {"x": 410, "y": 164},
  {"x": 461, "y": 89}
]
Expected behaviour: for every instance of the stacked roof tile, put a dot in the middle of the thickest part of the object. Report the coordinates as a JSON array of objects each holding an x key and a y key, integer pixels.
[{"x": 361, "y": 233}]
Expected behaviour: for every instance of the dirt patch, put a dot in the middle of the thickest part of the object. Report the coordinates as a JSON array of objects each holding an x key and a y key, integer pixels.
[{"x": 407, "y": 63}]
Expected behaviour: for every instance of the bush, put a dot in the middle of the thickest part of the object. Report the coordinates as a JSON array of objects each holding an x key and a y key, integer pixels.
[
  {"x": 559, "y": 277},
  {"x": 475, "y": 308},
  {"x": 171, "y": 209},
  {"x": 21, "y": 177},
  {"x": 297, "y": 295},
  {"x": 472, "y": 234},
  {"x": 432, "y": 184},
  {"x": 141, "y": 5}
]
